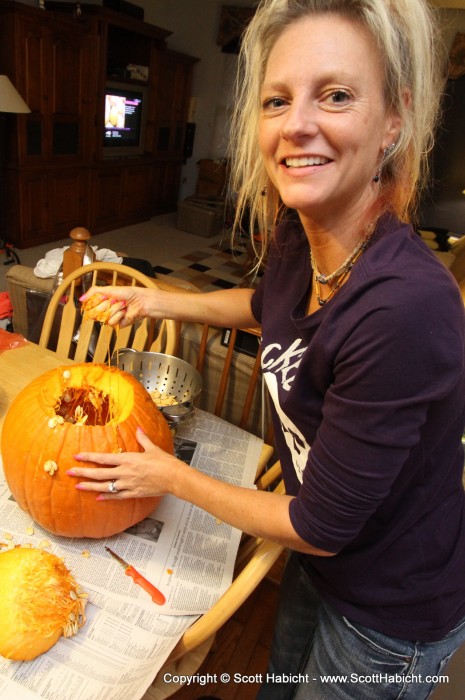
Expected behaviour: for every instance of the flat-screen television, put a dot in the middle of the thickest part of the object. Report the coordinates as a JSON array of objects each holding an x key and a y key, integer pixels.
[{"x": 124, "y": 119}]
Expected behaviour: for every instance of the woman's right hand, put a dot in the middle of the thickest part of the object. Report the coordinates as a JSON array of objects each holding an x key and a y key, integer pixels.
[{"x": 118, "y": 305}]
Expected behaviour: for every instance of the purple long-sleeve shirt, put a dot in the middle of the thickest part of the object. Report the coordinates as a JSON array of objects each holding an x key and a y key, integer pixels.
[{"x": 369, "y": 409}]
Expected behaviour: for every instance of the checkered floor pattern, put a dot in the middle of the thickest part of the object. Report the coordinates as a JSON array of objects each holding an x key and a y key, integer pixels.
[{"x": 212, "y": 267}]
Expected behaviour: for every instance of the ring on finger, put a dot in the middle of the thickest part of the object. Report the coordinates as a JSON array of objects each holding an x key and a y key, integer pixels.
[{"x": 112, "y": 487}]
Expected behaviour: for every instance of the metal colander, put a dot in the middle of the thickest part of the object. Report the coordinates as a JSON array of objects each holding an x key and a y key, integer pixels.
[{"x": 166, "y": 374}]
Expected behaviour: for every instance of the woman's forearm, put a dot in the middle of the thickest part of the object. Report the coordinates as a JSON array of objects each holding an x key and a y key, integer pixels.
[
  {"x": 227, "y": 308},
  {"x": 259, "y": 513}
]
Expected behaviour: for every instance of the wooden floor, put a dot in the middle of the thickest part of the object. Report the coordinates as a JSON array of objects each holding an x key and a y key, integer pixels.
[{"x": 242, "y": 646}]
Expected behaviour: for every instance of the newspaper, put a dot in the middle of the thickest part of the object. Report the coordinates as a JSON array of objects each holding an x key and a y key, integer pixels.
[{"x": 182, "y": 550}]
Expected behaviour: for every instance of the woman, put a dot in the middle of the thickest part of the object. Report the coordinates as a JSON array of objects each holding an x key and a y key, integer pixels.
[{"x": 363, "y": 352}]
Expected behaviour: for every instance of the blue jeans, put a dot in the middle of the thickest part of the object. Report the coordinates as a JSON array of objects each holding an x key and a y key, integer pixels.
[{"x": 319, "y": 654}]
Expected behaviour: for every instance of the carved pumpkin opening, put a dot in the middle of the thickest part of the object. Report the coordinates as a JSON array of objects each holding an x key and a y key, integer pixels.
[{"x": 87, "y": 405}]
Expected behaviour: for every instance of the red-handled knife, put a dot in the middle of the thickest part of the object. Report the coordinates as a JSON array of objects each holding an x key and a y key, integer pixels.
[{"x": 156, "y": 595}]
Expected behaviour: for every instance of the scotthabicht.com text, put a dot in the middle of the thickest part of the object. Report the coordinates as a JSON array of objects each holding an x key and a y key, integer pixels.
[{"x": 301, "y": 678}]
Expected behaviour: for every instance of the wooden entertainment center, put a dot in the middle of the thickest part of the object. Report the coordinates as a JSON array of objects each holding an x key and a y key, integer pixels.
[{"x": 57, "y": 174}]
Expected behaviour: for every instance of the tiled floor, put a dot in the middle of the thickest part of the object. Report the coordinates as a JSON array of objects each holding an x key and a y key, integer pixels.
[{"x": 211, "y": 267}]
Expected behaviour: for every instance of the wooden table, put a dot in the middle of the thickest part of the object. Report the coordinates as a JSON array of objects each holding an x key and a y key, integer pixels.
[{"x": 19, "y": 367}]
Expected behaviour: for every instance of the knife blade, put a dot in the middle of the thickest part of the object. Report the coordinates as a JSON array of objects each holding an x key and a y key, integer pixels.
[{"x": 156, "y": 595}]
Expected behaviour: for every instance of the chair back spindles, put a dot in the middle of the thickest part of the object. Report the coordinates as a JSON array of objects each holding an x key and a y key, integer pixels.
[
  {"x": 254, "y": 382},
  {"x": 85, "y": 340},
  {"x": 226, "y": 373}
]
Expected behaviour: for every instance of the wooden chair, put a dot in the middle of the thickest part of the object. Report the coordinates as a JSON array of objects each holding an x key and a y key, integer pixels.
[
  {"x": 255, "y": 557},
  {"x": 83, "y": 340},
  {"x": 254, "y": 385}
]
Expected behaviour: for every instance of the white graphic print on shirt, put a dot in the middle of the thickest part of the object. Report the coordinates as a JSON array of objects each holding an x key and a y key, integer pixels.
[{"x": 282, "y": 367}]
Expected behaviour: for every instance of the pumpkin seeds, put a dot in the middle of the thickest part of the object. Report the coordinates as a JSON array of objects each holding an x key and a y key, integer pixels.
[
  {"x": 50, "y": 467},
  {"x": 161, "y": 399}
]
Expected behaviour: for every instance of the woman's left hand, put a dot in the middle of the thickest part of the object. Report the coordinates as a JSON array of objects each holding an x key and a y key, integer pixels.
[{"x": 128, "y": 474}]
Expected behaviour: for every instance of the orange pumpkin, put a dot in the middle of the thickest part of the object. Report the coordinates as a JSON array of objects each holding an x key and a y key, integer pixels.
[
  {"x": 39, "y": 602},
  {"x": 72, "y": 409}
]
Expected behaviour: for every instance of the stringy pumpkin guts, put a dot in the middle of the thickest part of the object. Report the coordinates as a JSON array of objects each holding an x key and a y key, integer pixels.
[
  {"x": 85, "y": 404},
  {"x": 90, "y": 311},
  {"x": 39, "y": 602}
]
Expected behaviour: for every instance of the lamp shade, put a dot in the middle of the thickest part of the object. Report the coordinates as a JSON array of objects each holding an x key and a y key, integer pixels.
[{"x": 10, "y": 99}]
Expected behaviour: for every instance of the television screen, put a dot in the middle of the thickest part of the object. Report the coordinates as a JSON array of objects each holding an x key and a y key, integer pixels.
[{"x": 124, "y": 119}]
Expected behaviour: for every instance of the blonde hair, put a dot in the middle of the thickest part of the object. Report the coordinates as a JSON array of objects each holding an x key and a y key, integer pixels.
[{"x": 406, "y": 33}]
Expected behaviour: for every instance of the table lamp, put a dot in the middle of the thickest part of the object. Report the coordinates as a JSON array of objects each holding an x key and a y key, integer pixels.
[
  {"x": 10, "y": 102},
  {"x": 10, "y": 99}
]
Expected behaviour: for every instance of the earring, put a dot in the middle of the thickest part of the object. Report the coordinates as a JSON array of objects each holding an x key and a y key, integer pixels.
[
  {"x": 386, "y": 153},
  {"x": 388, "y": 150}
]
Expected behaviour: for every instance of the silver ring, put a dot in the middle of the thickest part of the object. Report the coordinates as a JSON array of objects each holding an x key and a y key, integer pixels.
[{"x": 111, "y": 487}]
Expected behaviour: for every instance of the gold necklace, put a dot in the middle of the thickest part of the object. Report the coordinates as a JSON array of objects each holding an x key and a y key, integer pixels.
[{"x": 342, "y": 271}]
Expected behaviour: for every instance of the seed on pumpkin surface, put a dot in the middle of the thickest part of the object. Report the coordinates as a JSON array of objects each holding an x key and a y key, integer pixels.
[
  {"x": 66, "y": 374},
  {"x": 50, "y": 466},
  {"x": 55, "y": 420}
]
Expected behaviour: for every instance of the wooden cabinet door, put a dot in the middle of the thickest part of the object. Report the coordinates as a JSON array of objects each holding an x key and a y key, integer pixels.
[
  {"x": 107, "y": 192},
  {"x": 173, "y": 95},
  {"x": 71, "y": 90},
  {"x": 34, "y": 210},
  {"x": 52, "y": 202},
  {"x": 68, "y": 201},
  {"x": 33, "y": 81},
  {"x": 166, "y": 179},
  {"x": 56, "y": 81},
  {"x": 137, "y": 192}
]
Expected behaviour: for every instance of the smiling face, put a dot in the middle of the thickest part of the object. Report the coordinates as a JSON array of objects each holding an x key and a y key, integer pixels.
[{"x": 323, "y": 123}]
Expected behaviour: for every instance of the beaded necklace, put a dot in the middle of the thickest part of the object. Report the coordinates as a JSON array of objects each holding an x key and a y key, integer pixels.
[{"x": 342, "y": 271}]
